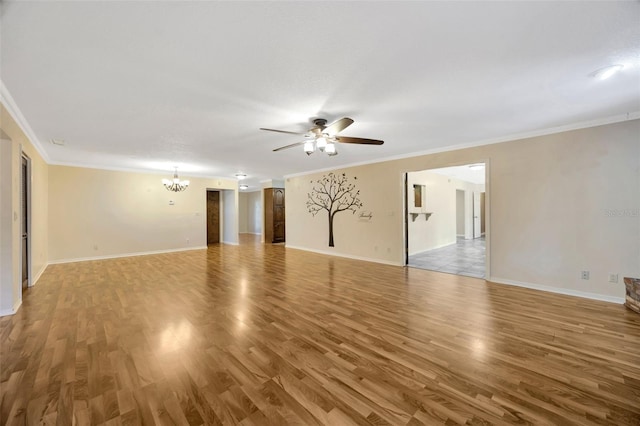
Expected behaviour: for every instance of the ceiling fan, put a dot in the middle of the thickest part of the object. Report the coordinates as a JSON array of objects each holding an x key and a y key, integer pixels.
[{"x": 324, "y": 138}]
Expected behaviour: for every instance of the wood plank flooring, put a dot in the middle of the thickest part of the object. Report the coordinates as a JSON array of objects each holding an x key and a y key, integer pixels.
[{"x": 264, "y": 335}]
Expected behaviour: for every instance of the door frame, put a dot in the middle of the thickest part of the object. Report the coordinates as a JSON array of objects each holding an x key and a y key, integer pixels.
[
  {"x": 487, "y": 208},
  {"x": 27, "y": 188},
  {"x": 405, "y": 222}
]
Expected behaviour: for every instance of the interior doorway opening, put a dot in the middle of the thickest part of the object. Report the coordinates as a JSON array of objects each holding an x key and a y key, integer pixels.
[
  {"x": 446, "y": 220},
  {"x": 25, "y": 221}
]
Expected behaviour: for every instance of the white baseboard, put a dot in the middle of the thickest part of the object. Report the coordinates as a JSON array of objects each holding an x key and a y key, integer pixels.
[
  {"x": 231, "y": 243},
  {"x": 348, "y": 256},
  {"x": 13, "y": 310},
  {"x": 116, "y": 256},
  {"x": 559, "y": 290}
]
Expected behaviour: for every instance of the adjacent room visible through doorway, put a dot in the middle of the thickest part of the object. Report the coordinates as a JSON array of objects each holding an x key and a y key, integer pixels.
[{"x": 445, "y": 225}]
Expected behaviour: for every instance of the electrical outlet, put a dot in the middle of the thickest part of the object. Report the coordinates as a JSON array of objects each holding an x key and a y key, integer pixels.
[
  {"x": 584, "y": 275},
  {"x": 613, "y": 278}
]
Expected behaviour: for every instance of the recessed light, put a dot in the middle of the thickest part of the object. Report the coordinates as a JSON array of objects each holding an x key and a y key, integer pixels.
[
  {"x": 240, "y": 176},
  {"x": 59, "y": 142},
  {"x": 606, "y": 72},
  {"x": 243, "y": 187}
]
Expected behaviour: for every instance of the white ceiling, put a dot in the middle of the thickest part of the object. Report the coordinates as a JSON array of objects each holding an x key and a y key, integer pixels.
[{"x": 146, "y": 85}]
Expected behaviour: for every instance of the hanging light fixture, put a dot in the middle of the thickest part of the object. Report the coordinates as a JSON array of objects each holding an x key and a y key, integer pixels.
[
  {"x": 321, "y": 143},
  {"x": 309, "y": 147},
  {"x": 175, "y": 184},
  {"x": 331, "y": 149}
]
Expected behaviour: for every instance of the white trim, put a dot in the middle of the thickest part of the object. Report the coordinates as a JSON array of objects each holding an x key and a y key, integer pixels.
[
  {"x": 434, "y": 248},
  {"x": 116, "y": 256},
  {"x": 348, "y": 256},
  {"x": 231, "y": 243},
  {"x": 13, "y": 310},
  {"x": 509, "y": 138},
  {"x": 559, "y": 290},
  {"x": 28, "y": 191},
  {"x": 11, "y": 106}
]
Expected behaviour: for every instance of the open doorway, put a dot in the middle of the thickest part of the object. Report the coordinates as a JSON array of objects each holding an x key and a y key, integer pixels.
[
  {"x": 25, "y": 222},
  {"x": 446, "y": 220}
]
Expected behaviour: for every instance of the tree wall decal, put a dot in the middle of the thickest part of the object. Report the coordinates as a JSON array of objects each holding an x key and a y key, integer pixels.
[{"x": 335, "y": 194}]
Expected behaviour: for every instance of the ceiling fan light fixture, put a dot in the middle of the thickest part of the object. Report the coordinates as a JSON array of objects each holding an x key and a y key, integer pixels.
[
  {"x": 321, "y": 143},
  {"x": 240, "y": 176},
  {"x": 321, "y": 136},
  {"x": 309, "y": 147},
  {"x": 331, "y": 149}
]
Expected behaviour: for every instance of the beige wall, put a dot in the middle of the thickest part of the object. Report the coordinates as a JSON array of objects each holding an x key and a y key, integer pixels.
[
  {"x": 39, "y": 208},
  {"x": 250, "y": 212},
  {"x": 100, "y": 213},
  {"x": 254, "y": 212},
  {"x": 10, "y": 254},
  {"x": 243, "y": 212},
  {"x": 557, "y": 204}
]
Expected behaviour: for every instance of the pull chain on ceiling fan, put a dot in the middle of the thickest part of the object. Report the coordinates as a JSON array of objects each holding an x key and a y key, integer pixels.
[{"x": 324, "y": 138}]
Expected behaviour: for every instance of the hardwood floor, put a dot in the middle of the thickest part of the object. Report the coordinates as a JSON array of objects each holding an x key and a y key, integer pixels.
[{"x": 259, "y": 335}]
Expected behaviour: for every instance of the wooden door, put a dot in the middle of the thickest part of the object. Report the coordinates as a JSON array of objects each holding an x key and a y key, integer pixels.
[
  {"x": 274, "y": 230},
  {"x": 213, "y": 217},
  {"x": 278, "y": 215}
]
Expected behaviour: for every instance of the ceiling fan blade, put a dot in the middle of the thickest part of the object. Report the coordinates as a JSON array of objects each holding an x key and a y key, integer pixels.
[
  {"x": 338, "y": 126},
  {"x": 348, "y": 139},
  {"x": 289, "y": 146},
  {"x": 283, "y": 131}
]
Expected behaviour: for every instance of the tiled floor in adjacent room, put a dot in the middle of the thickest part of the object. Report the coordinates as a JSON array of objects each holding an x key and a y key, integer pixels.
[{"x": 465, "y": 257}]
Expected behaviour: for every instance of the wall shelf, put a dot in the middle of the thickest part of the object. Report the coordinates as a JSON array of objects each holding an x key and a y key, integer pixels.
[{"x": 414, "y": 216}]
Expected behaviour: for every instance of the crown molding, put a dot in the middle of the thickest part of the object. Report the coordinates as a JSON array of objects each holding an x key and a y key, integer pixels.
[
  {"x": 11, "y": 106},
  {"x": 502, "y": 139}
]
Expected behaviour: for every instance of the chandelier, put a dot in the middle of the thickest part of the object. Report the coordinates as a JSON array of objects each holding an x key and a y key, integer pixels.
[
  {"x": 175, "y": 184},
  {"x": 324, "y": 143}
]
